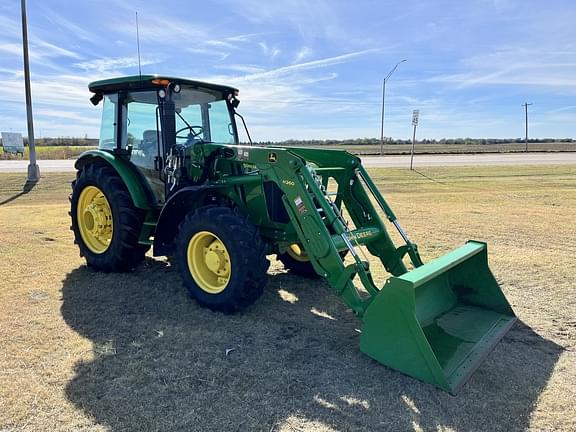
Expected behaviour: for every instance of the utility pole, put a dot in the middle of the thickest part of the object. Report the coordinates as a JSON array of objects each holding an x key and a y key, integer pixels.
[
  {"x": 526, "y": 105},
  {"x": 33, "y": 169},
  {"x": 383, "y": 98},
  {"x": 415, "y": 115}
]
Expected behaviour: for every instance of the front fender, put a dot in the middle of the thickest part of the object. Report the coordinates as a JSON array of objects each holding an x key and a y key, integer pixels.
[
  {"x": 173, "y": 212},
  {"x": 141, "y": 195}
]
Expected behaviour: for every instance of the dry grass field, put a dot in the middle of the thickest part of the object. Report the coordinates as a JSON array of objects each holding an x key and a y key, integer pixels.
[
  {"x": 72, "y": 152},
  {"x": 86, "y": 351},
  {"x": 48, "y": 152}
]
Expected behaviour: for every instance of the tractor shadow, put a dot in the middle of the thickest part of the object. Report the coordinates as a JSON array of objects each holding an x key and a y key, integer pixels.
[
  {"x": 160, "y": 362},
  {"x": 28, "y": 186}
]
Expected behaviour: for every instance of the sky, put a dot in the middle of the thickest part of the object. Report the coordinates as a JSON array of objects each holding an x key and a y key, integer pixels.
[{"x": 307, "y": 69}]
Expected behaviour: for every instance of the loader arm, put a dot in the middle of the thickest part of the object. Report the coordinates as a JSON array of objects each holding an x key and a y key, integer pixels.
[
  {"x": 301, "y": 175},
  {"x": 436, "y": 322}
]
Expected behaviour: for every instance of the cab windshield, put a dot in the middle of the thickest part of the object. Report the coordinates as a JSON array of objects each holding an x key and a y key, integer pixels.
[{"x": 200, "y": 117}]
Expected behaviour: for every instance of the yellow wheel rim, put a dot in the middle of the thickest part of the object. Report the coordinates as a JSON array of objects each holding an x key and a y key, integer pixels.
[
  {"x": 94, "y": 219},
  {"x": 296, "y": 252},
  {"x": 209, "y": 262}
]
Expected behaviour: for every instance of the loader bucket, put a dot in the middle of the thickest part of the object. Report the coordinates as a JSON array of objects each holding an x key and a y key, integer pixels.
[{"x": 439, "y": 321}]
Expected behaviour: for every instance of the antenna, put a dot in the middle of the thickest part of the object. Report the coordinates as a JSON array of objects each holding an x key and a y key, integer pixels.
[{"x": 138, "y": 45}]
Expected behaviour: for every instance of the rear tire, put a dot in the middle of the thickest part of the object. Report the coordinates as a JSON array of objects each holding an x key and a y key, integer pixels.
[
  {"x": 105, "y": 222},
  {"x": 296, "y": 261},
  {"x": 221, "y": 259}
]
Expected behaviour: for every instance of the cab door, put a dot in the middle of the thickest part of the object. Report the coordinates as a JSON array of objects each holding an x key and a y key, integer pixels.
[{"x": 144, "y": 137}]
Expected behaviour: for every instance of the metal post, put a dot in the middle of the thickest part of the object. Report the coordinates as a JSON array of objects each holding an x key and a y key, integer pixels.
[
  {"x": 526, "y": 104},
  {"x": 33, "y": 169},
  {"x": 415, "y": 115},
  {"x": 413, "y": 145},
  {"x": 382, "y": 122},
  {"x": 383, "y": 98}
]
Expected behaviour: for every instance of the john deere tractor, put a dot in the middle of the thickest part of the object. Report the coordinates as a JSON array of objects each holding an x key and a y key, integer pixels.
[{"x": 170, "y": 174}]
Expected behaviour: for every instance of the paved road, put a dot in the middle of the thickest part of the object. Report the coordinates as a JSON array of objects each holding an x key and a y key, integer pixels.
[
  {"x": 45, "y": 166},
  {"x": 472, "y": 159},
  {"x": 371, "y": 161}
]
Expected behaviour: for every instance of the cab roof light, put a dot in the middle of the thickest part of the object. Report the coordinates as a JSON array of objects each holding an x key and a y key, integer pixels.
[{"x": 160, "y": 81}]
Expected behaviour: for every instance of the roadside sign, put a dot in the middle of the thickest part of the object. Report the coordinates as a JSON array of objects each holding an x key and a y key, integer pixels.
[
  {"x": 415, "y": 115},
  {"x": 12, "y": 142}
]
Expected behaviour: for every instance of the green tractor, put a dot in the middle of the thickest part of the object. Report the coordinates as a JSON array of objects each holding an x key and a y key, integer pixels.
[{"x": 169, "y": 174}]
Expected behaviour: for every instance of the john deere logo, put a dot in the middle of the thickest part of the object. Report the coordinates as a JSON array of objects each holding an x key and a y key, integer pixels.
[{"x": 272, "y": 157}]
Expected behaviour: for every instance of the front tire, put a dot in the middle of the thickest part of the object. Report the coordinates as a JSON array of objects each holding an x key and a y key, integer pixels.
[
  {"x": 105, "y": 222},
  {"x": 221, "y": 259}
]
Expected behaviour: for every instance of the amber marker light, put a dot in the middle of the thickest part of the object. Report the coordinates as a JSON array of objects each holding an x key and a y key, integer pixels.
[{"x": 160, "y": 81}]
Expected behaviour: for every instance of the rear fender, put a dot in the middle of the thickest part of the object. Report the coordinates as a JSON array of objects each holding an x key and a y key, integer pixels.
[{"x": 141, "y": 195}]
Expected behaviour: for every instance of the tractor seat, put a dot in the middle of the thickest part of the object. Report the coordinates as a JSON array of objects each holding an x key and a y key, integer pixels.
[{"x": 150, "y": 141}]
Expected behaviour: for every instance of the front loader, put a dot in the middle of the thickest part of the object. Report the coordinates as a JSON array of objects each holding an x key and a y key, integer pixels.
[{"x": 170, "y": 174}]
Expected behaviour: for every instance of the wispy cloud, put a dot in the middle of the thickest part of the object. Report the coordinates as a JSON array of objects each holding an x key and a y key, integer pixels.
[
  {"x": 38, "y": 50},
  {"x": 313, "y": 64},
  {"x": 246, "y": 37},
  {"x": 163, "y": 30},
  {"x": 63, "y": 23},
  {"x": 51, "y": 50},
  {"x": 302, "y": 54},
  {"x": 10, "y": 27},
  {"x": 242, "y": 68},
  {"x": 310, "y": 18},
  {"x": 105, "y": 66},
  {"x": 220, "y": 55},
  {"x": 220, "y": 44},
  {"x": 522, "y": 74},
  {"x": 68, "y": 115},
  {"x": 276, "y": 95},
  {"x": 12, "y": 72},
  {"x": 11, "y": 48},
  {"x": 564, "y": 109},
  {"x": 270, "y": 52}
]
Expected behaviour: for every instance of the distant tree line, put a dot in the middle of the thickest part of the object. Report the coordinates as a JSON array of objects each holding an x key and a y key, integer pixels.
[
  {"x": 76, "y": 141},
  {"x": 446, "y": 141}
]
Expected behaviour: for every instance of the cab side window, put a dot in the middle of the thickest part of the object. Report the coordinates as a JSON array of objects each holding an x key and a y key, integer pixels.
[
  {"x": 108, "y": 129},
  {"x": 143, "y": 135}
]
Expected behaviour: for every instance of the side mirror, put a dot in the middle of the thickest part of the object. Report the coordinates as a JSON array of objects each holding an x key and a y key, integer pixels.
[
  {"x": 96, "y": 98},
  {"x": 232, "y": 100}
]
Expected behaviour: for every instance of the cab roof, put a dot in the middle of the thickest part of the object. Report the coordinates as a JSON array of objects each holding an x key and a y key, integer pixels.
[{"x": 144, "y": 82}]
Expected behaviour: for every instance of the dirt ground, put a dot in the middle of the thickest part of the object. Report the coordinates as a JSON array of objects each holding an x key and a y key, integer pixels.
[{"x": 87, "y": 351}]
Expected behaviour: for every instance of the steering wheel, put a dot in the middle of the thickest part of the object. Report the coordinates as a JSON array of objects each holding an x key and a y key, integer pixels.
[{"x": 191, "y": 134}]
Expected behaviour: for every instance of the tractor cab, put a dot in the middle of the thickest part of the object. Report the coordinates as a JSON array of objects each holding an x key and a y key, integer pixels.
[{"x": 146, "y": 119}]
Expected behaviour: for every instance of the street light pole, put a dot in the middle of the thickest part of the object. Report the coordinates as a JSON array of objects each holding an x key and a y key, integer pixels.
[
  {"x": 383, "y": 99},
  {"x": 33, "y": 169}
]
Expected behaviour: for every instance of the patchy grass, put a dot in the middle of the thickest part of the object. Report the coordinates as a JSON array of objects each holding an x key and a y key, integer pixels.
[{"x": 89, "y": 351}]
